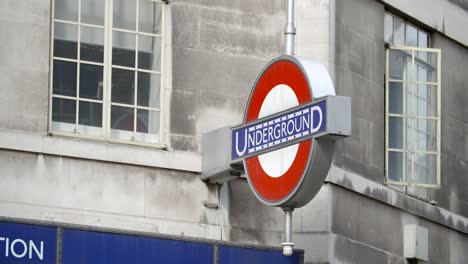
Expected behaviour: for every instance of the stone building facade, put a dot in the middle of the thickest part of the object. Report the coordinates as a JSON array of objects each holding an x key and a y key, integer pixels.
[{"x": 210, "y": 55}]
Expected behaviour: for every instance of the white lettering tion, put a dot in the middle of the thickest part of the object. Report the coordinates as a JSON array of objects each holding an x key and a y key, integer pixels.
[{"x": 19, "y": 248}]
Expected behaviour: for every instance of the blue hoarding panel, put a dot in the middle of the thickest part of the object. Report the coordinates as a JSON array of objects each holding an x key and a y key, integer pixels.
[
  {"x": 93, "y": 247},
  {"x": 232, "y": 255},
  {"x": 20, "y": 243}
]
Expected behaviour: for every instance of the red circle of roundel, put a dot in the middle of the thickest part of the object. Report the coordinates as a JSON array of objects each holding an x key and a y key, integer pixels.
[{"x": 268, "y": 188}]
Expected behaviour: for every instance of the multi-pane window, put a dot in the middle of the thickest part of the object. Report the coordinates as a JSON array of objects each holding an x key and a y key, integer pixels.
[
  {"x": 412, "y": 147},
  {"x": 106, "y": 69}
]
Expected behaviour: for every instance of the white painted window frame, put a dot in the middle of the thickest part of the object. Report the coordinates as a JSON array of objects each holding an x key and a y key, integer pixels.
[
  {"x": 107, "y": 74},
  {"x": 412, "y": 182}
]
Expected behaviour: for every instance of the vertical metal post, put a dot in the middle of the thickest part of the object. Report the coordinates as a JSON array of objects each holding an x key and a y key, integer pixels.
[
  {"x": 290, "y": 34},
  {"x": 290, "y": 29},
  {"x": 288, "y": 245}
]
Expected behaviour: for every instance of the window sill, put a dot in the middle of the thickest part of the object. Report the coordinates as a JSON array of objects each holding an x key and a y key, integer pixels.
[{"x": 135, "y": 153}]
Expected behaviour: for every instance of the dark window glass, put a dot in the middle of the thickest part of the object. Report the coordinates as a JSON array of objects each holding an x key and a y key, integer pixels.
[
  {"x": 149, "y": 53},
  {"x": 64, "y": 82},
  {"x": 90, "y": 114},
  {"x": 148, "y": 89},
  {"x": 63, "y": 110},
  {"x": 123, "y": 49},
  {"x": 92, "y": 44},
  {"x": 122, "y": 118},
  {"x": 395, "y": 167},
  {"x": 123, "y": 86},
  {"x": 91, "y": 84},
  {"x": 65, "y": 40}
]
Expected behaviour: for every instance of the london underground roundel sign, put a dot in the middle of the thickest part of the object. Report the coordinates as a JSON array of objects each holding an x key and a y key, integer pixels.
[{"x": 287, "y": 139}]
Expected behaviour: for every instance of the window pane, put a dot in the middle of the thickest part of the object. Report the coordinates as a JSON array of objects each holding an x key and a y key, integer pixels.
[
  {"x": 431, "y": 66},
  {"x": 409, "y": 89},
  {"x": 122, "y": 119},
  {"x": 92, "y": 12},
  {"x": 396, "y": 98},
  {"x": 410, "y": 123},
  {"x": 65, "y": 40},
  {"x": 398, "y": 32},
  {"x": 149, "y": 89},
  {"x": 90, "y": 114},
  {"x": 421, "y": 101},
  {"x": 425, "y": 168},
  {"x": 92, "y": 44},
  {"x": 149, "y": 53},
  {"x": 63, "y": 110},
  {"x": 411, "y": 36},
  {"x": 123, "y": 49},
  {"x": 124, "y": 14},
  {"x": 409, "y": 68},
  {"x": 422, "y": 43},
  {"x": 426, "y": 72},
  {"x": 149, "y": 17},
  {"x": 399, "y": 65},
  {"x": 388, "y": 23},
  {"x": 395, "y": 130},
  {"x": 426, "y": 100},
  {"x": 123, "y": 86},
  {"x": 148, "y": 125},
  {"x": 423, "y": 39},
  {"x": 408, "y": 177},
  {"x": 66, "y": 10},
  {"x": 91, "y": 84},
  {"x": 395, "y": 166},
  {"x": 426, "y": 135},
  {"x": 64, "y": 82}
]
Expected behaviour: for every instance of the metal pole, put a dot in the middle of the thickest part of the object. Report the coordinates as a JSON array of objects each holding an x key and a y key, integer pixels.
[
  {"x": 290, "y": 29},
  {"x": 290, "y": 34},
  {"x": 288, "y": 245}
]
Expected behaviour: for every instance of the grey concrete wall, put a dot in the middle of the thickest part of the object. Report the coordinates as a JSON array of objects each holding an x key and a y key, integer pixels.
[
  {"x": 453, "y": 194},
  {"x": 215, "y": 50},
  {"x": 24, "y": 67},
  {"x": 364, "y": 230},
  {"x": 360, "y": 62},
  {"x": 218, "y": 48},
  {"x": 359, "y": 59},
  {"x": 367, "y": 231},
  {"x": 462, "y": 3}
]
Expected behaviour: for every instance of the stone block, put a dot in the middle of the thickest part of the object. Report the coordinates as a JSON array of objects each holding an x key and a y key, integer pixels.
[
  {"x": 344, "y": 250},
  {"x": 358, "y": 14},
  {"x": 315, "y": 216},
  {"x": 183, "y": 115},
  {"x": 214, "y": 73},
  {"x": 344, "y": 213},
  {"x": 215, "y": 111},
  {"x": 238, "y": 34},
  {"x": 242, "y": 209},
  {"x": 185, "y": 25},
  {"x": 315, "y": 246},
  {"x": 106, "y": 187},
  {"x": 175, "y": 195},
  {"x": 33, "y": 179},
  {"x": 261, "y": 7},
  {"x": 28, "y": 11}
]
